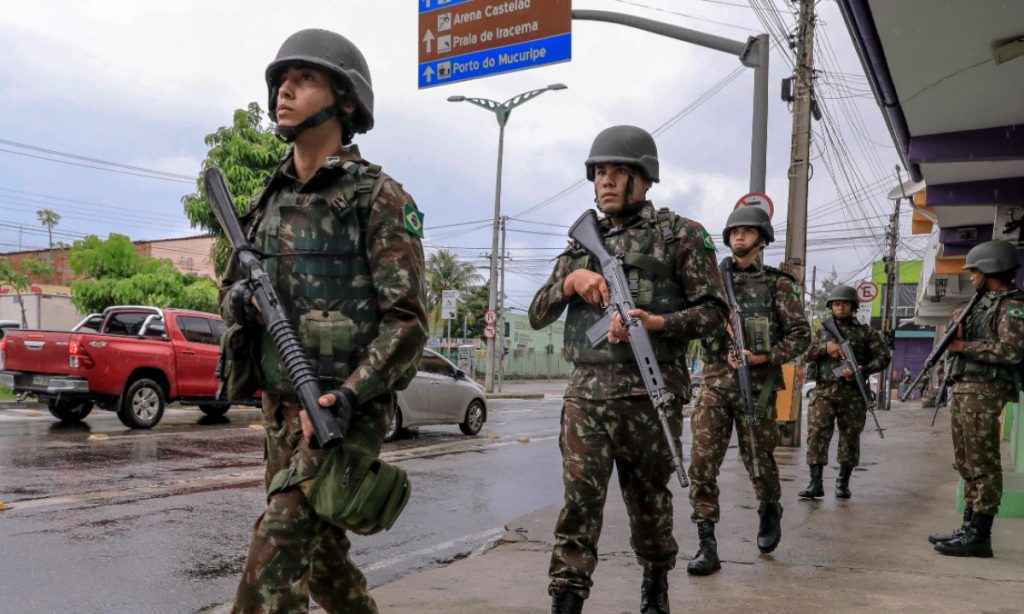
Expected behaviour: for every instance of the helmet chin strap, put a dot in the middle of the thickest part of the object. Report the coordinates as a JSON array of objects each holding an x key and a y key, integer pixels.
[
  {"x": 743, "y": 252},
  {"x": 288, "y": 134}
]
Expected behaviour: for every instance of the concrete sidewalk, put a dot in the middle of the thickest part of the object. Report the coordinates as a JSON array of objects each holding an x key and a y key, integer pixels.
[
  {"x": 868, "y": 553},
  {"x": 530, "y": 389}
]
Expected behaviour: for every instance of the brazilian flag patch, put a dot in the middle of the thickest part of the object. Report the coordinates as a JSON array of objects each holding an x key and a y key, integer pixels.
[
  {"x": 1015, "y": 312},
  {"x": 708, "y": 243},
  {"x": 797, "y": 290},
  {"x": 413, "y": 220}
]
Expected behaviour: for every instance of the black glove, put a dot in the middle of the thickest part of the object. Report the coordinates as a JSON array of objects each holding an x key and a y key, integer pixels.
[
  {"x": 240, "y": 303},
  {"x": 344, "y": 403}
]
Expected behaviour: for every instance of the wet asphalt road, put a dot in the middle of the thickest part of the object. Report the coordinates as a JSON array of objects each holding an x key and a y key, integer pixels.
[{"x": 105, "y": 519}]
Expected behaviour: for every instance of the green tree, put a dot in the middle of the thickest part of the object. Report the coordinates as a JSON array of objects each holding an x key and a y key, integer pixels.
[
  {"x": 820, "y": 296},
  {"x": 19, "y": 278},
  {"x": 474, "y": 306},
  {"x": 247, "y": 152},
  {"x": 445, "y": 272},
  {"x": 114, "y": 274},
  {"x": 48, "y": 218}
]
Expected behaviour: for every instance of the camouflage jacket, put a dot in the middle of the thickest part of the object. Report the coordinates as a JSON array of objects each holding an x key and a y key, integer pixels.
[
  {"x": 390, "y": 259},
  {"x": 691, "y": 259},
  {"x": 790, "y": 331},
  {"x": 871, "y": 352},
  {"x": 993, "y": 345}
]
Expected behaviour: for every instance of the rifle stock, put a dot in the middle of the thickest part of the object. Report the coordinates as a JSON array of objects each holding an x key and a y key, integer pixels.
[
  {"x": 850, "y": 362},
  {"x": 743, "y": 371},
  {"x": 943, "y": 345},
  {"x": 328, "y": 427},
  {"x": 585, "y": 231}
]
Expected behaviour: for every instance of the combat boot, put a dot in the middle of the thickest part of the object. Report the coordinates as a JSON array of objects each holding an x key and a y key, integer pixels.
[
  {"x": 706, "y": 562},
  {"x": 976, "y": 539},
  {"x": 769, "y": 532},
  {"x": 566, "y": 602},
  {"x": 815, "y": 488},
  {"x": 843, "y": 482},
  {"x": 654, "y": 592},
  {"x": 955, "y": 533}
]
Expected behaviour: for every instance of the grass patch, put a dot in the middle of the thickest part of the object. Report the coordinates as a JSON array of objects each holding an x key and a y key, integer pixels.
[{"x": 6, "y": 394}]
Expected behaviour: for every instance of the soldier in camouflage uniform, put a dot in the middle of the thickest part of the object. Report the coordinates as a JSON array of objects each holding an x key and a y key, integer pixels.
[
  {"x": 836, "y": 399},
  {"x": 986, "y": 371},
  {"x": 341, "y": 243},
  {"x": 608, "y": 418},
  {"x": 775, "y": 331}
]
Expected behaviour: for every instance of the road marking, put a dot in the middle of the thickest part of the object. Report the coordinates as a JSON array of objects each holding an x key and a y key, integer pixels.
[{"x": 486, "y": 536}]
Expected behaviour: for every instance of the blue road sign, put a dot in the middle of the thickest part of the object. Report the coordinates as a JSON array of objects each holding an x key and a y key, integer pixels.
[
  {"x": 430, "y": 5},
  {"x": 520, "y": 56}
]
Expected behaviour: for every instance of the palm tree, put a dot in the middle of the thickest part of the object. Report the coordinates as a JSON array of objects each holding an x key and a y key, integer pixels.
[
  {"x": 48, "y": 218},
  {"x": 445, "y": 272}
]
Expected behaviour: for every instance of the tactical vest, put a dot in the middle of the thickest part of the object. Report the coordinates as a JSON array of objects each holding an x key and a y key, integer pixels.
[
  {"x": 314, "y": 252},
  {"x": 981, "y": 325},
  {"x": 857, "y": 335},
  {"x": 755, "y": 295},
  {"x": 647, "y": 249}
]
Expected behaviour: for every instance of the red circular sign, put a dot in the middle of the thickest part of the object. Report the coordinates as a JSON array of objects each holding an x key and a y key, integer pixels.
[
  {"x": 759, "y": 200},
  {"x": 490, "y": 317},
  {"x": 490, "y": 331},
  {"x": 867, "y": 291}
]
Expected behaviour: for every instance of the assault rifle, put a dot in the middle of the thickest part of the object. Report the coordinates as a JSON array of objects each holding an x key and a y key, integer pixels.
[
  {"x": 940, "y": 349},
  {"x": 739, "y": 345},
  {"x": 586, "y": 232},
  {"x": 850, "y": 364},
  {"x": 329, "y": 428}
]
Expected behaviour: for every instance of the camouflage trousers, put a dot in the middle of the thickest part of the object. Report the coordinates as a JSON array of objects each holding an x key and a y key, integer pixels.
[
  {"x": 711, "y": 424},
  {"x": 975, "y": 419},
  {"x": 596, "y": 436},
  {"x": 293, "y": 553},
  {"x": 832, "y": 405}
]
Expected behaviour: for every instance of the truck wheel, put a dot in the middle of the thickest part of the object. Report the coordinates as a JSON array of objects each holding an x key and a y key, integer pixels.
[
  {"x": 215, "y": 410},
  {"x": 142, "y": 405},
  {"x": 69, "y": 411}
]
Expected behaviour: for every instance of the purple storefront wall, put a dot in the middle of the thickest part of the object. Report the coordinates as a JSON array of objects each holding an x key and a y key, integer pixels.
[{"x": 910, "y": 352}]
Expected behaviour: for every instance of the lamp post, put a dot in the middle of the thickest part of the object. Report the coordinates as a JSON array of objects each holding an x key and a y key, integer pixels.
[{"x": 501, "y": 110}]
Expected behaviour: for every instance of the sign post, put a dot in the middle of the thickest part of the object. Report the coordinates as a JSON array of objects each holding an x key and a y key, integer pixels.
[{"x": 466, "y": 39}]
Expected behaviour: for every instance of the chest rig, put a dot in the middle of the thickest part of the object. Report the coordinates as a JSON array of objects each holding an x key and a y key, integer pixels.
[
  {"x": 857, "y": 334},
  {"x": 647, "y": 247},
  {"x": 314, "y": 252},
  {"x": 982, "y": 326}
]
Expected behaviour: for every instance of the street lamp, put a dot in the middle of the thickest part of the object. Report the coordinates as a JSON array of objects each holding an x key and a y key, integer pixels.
[{"x": 501, "y": 110}]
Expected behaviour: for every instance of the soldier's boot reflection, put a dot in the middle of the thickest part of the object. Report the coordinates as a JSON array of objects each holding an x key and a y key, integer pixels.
[{"x": 566, "y": 602}]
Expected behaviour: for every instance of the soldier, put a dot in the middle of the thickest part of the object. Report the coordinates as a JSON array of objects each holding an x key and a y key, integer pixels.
[
  {"x": 341, "y": 242},
  {"x": 986, "y": 374},
  {"x": 836, "y": 398},
  {"x": 608, "y": 418},
  {"x": 776, "y": 331}
]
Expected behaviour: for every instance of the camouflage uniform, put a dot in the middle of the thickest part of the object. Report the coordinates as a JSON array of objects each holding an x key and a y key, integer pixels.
[
  {"x": 771, "y": 293},
  {"x": 349, "y": 267},
  {"x": 983, "y": 382},
  {"x": 608, "y": 419},
  {"x": 836, "y": 400}
]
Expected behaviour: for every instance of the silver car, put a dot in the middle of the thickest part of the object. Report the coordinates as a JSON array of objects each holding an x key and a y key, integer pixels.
[{"x": 439, "y": 394}]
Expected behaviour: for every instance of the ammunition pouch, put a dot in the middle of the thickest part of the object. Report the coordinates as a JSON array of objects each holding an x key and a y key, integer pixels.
[
  {"x": 237, "y": 367},
  {"x": 757, "y": 333},
  {"x": 357, "y": 491},
  {"x": 327, "y": 339}
]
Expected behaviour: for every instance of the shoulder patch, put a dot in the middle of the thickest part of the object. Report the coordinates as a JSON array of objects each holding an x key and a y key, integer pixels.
[
  {"x": 413, "y": 220},
  {"x": 1015, "y": 312},
  {"x": 708, "y": 243}
]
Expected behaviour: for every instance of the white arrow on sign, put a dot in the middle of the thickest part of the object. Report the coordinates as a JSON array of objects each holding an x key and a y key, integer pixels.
[
  {"x": 428, "y": 74},
  {"x": 428, "y": 38}
]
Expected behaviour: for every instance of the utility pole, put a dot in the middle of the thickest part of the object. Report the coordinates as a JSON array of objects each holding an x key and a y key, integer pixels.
[
  {"x": 799, "y": 173},
  {"x": 892, "y": 281},
  {"x": 814, "y": 288},
  {"x": 500, "y": 333}
]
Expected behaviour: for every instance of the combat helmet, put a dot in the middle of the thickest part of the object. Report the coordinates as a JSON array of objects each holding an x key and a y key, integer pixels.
[
  {"x": 624, "y": 145},
  {"x": 842, "y": 293},
  {"x": 350, "y": 76},
  {"x": 749, "y": 216},
  {"x": 993, "y": 257}
]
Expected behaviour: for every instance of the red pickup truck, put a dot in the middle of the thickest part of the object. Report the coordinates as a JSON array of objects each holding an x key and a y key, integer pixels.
[{"x": 137, "y": 360}]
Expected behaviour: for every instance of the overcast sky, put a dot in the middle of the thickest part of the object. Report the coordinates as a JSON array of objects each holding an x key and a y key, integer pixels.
[{"x": 141, "y": 84}]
